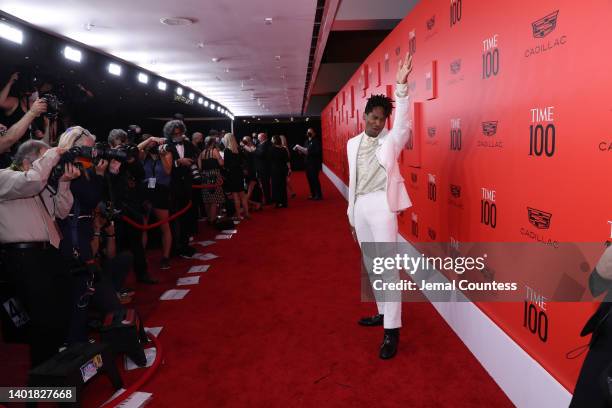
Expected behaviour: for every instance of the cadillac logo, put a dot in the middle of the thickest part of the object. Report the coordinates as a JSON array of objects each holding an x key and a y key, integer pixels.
[
  {"x": 540, "y": 219},
  {"x": 431, "y": 131},
  {"x": 545, "y": 25},
  {"x": 489, "y": 128},
  {"x": 455, "y": 190},
  {"x": 455, "y": 66},
  {"x": 431, "y": 23}
]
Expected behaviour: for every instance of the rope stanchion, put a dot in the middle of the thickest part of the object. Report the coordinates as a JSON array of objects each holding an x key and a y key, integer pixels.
[
  {"x": 204, "y": 186},
  {"x": 173, "y": 216},
  {"x": 142, "y": 380},
  {"x": 158, "y": 223}
]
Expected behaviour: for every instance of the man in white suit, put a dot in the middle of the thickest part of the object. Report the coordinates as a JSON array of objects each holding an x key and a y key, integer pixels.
[{"x": 377, "y": 191}]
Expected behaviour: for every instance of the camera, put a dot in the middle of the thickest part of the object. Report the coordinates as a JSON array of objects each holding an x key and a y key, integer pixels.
[
  {"x": 108, "y": 211},
  {"x": 130, "y": 150},
  {"x": 76, "y": 153},
  {"x": 53, "y": 105},
  {"x": 157, "y": 149}
]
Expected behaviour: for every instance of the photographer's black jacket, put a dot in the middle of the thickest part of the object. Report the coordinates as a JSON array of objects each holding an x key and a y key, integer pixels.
[{"x": 87, "y": 191}]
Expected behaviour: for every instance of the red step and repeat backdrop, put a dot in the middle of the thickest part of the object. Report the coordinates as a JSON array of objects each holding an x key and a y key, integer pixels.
[{"x": 511, "y": 139}]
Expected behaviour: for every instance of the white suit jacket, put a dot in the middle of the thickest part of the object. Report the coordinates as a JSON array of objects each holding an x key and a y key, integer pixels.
[{"x": 390, "y": 145}]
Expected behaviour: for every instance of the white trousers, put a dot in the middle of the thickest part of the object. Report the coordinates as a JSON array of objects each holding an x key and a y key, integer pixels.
[{"x": 374, "y": 222}]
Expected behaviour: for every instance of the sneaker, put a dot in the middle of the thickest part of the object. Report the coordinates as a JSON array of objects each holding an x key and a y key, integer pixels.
[{"x": 164, "y": 264}]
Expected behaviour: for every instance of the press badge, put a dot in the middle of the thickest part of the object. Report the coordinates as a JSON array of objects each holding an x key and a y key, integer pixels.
[{"x": 152, "y": 181}]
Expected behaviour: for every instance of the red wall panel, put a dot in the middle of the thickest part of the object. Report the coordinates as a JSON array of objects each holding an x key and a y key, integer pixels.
[{"x": 522, "y": 113}]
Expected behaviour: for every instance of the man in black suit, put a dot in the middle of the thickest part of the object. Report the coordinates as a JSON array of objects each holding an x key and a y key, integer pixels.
[
  {"x": 262, "y": 165},
  {"x": 183, "y": 158},
  {"x": 314, "y": 162},
  {"x": 593, "y": 389}
]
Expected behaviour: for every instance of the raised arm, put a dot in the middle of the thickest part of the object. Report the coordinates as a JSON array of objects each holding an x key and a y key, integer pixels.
[
  {"x": 15, "y": 132},
  {"x": 23, "y": 184},
  {"x": 401, "y": 126},
  {"x": 7, "y": 102}
]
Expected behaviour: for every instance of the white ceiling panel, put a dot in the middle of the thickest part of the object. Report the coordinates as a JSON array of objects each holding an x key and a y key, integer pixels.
[{"x": 247, "y": 77}]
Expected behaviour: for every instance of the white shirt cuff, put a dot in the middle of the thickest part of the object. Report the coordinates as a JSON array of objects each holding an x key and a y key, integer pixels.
[{"x": 401, "y": 90}]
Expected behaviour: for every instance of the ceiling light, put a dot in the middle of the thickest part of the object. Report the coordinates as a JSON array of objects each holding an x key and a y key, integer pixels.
[
  {"x": 200, "y": 100},
  {"x": 215, "y": 59},
  {"x": 307, "y": 119},
  {"x": 277, "y": 57},
  {"x": 114, "y": 69},
  {"x": 177, "y": 21},
  {"x": 200, "y": 44},
  {"x": 179, "y": 91},
  {"x": 143, "y": 78},
  {"x": 11, "y": 33},
  {"x": 191, "y": 96},
  {"x": 72, "y": 54},
  {"x": 212, "y": 106},
  {"x": 268, "y": 20},
  {"x": 206, "y": 103},
  {"x": 226, "y": 69},
  {"x": 161, "y": 85}
]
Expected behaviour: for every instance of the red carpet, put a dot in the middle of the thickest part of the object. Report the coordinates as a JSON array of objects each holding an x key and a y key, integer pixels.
[{"x": 273, "y": 323}]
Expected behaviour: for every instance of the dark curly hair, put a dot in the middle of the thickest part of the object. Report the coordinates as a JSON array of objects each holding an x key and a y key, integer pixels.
[{"x": 382, "y": 101}]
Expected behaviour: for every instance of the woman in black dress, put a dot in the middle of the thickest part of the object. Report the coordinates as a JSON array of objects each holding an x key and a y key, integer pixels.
[
  {"x": 279, "y": 171},
  {"x": 235, "y": 168},
  {"x": 210, "y": 163}
]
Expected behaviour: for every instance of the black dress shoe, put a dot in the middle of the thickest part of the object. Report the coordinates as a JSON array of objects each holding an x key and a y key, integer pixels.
[
  {"x": 187, "y": 252},
  {"x": 388, "y": 348},
  {"x": 148, "y": 280},
  {"x": 376, "y": 320}
]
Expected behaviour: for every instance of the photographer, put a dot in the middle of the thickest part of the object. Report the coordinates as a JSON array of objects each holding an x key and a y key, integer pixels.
[
  {"x": 183, "y": 163},
  {"x": 127, "y": 193},
  {"x": 30, "y": 241},
  {"x": 157, "y": 163},
  {"x": 16, "y": 107},
  {"x": 10, "y": 136},
  {"x": 88, "y": 283}
]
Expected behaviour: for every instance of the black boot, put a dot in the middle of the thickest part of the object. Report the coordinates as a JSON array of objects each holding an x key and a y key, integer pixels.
[
  {"x": 376, "y": 320},
  {"x": 388, "y": 348}
]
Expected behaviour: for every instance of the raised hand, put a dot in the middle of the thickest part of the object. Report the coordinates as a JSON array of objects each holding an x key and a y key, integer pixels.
[{"x": 404, "y": 69}]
